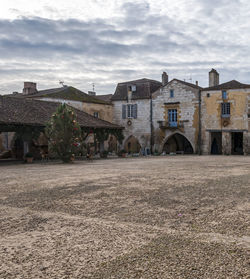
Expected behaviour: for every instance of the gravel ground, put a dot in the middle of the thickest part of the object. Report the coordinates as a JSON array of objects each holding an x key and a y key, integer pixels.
[{"x": 161, "y": 217}]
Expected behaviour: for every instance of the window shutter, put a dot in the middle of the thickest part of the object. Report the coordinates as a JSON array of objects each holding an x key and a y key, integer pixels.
[
  {"x": 123, "y": 111},
  {"x": 135, "y": 110}
]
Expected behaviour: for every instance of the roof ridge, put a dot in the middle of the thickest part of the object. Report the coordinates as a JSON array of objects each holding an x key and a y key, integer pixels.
[
  {"x": 232, "y": 84},
  {"x": 140, "y": 80}
]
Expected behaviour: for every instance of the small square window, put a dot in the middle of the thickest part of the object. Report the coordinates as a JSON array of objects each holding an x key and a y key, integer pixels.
[
  {"x": 132, "y": 88},
  {"x": 171, "y": 93},
  {"x": 224, "y": 95},
  {"x": 96, "y": 114}
]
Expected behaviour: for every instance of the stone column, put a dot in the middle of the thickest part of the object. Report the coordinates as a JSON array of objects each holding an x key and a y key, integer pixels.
[
  {"x": 226, "y": 143},
  {"x": 246, "y": 143}
]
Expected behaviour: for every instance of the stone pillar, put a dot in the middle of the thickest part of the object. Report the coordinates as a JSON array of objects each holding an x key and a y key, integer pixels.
[
  {"x": 246, "y": 143},
  {"x": 205, "y": 144},
  {"x": 226, "y": 143},
  {"x": 25, "y": 147}
]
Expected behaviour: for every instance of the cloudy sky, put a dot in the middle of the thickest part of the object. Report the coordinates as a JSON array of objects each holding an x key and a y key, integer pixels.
[{"x": 105, "y": 42}]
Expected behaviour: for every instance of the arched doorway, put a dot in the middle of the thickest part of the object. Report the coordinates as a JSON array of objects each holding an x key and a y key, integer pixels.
[
  {"x": 177, "y": 143},
  {"x": 132, "y": 145}
]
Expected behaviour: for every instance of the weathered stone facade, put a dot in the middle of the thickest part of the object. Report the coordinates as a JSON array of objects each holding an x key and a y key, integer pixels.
[
  {"x": 132, "y": 104},
  {"x": 226, "y": 133},
  {"x": 137, "y": 127},
  {"x": 152, "y": 128},
  {"x": 185, "y": 100}
]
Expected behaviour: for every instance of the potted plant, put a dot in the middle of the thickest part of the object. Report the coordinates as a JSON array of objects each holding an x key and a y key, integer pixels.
[
  {"x": 29, "y": 157},
  {"x": 72, "y": 158},
  {"x": 104, "y": 154}
]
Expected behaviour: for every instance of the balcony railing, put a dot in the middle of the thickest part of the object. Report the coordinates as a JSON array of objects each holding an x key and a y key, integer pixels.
[{"x": 170, "y": 125}]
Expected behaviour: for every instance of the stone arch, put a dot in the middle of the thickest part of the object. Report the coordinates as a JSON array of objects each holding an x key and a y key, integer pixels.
[
  {"x": 132, "y": 144},
  {"x": 177, "y": 143}
]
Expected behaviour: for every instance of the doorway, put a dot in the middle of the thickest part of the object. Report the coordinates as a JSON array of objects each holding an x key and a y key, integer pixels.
[
  {"x": 237, "y": 143},
  {"x": 216, "y": 143}
]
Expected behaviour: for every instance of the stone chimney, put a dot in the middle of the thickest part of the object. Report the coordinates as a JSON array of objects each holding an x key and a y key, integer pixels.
[
  {"x": 213, "y": 78},
  {"x": 197, "y": 83},
  {"x": 91, "y": 93},
  {"x": 164, "y": 78},
  {"x": 29, "y": 88}
]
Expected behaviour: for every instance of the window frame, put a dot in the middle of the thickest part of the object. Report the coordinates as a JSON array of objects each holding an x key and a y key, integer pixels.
[
  {"x": 96, "y": 114},
  {"x": 172, "y": 117},
  {"x": 171, "y": 93},
  {"x": 225, "y": 110},
  {"x": 224, "y": 94},
  {"x": 129, "y": 111}
]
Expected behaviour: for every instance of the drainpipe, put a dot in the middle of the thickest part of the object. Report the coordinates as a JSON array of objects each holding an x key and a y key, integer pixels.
[
  {"x": 151, "y": 126},
  {"x": 199, "y": 133}
]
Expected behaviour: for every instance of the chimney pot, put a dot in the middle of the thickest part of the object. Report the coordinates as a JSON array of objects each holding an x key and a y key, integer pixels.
[
  {"x": 197, "y": 83},
  {"x": 164, "y": 78},
  {"x": 213, "y": 78},
  {"x": 29, "y": 88}
]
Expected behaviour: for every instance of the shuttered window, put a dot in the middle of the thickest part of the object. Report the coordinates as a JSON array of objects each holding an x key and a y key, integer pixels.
[
  {"x": 134, "y": 111},
  {"x": 124, "y": 111},
  {"x": 129, "y": 111}
]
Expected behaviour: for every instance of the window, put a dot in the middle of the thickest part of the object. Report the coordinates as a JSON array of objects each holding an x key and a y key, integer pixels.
[
  {"x": 172, "y": 117},
  {"x": 171, "y": 93},
  {"x": 224, "y": 95},
  {"x": 129, "y": 111},
  {"x": 132, "y": 88},
  {"x": 225, "y": 110},
  {"x": 96, "y": 114},
  {"x": 208, "y": 95}
]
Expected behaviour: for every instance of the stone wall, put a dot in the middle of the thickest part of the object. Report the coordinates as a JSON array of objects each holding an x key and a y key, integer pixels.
[
  {"x": 105, "y": 112},
  {"x": 213, "y": 122},
  {"x": 185, "y": 100},
  {"x": 139, "y": 127}
]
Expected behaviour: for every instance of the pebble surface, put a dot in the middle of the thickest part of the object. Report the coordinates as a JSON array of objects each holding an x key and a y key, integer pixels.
[{"x": 180, "y": 217}]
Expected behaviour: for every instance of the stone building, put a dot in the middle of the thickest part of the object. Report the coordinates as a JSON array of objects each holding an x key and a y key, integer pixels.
[
  {"x": 225, "y": 117},
  {"x": 176, "y": 117},
  {"x": 90, "y": 103},
  {"x": 132, "y": 104},
  {"x": 158, "y": 116}
]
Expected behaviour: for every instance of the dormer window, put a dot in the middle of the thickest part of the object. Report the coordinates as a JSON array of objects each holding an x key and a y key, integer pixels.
[
  {"x": 132, "y": 88},
  {"x": 171, "y": 93},
  {"x": 224, "y": 94}
]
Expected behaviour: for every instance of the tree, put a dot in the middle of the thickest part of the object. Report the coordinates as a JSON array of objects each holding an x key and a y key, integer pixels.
[{"x": 64, "y": 133}]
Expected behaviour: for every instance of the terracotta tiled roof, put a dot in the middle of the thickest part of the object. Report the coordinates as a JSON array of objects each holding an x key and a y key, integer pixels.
[
  {"x": 233, "y": 84},
  {"x": 144, "y": 89},
  {"x": 22, "y": 111},
  {"x": 66, "y": 93}
]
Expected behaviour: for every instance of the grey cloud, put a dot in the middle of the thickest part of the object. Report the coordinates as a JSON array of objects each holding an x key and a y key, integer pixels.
[{"x": 130, "y": 46}]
